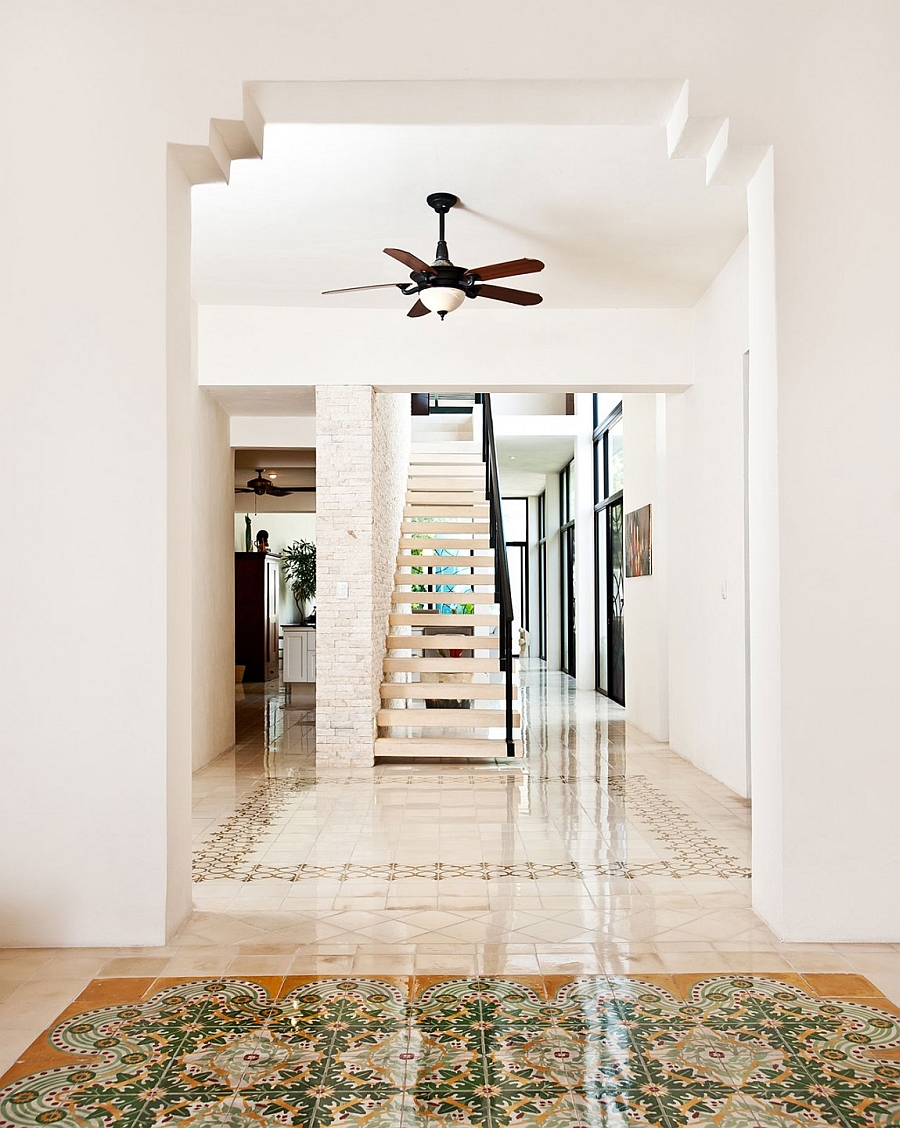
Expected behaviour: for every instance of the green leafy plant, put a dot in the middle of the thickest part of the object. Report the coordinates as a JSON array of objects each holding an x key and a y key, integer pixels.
[{"x": 298, "y": 564}]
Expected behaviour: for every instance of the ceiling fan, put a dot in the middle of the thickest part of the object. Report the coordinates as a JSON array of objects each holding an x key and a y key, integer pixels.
[
  {"x": 261, "y": 486},
  {"x": 441, "y": 287}
]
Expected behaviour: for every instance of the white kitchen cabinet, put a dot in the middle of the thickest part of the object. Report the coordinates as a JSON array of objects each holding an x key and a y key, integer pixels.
[{"x": 299, "y": 655}]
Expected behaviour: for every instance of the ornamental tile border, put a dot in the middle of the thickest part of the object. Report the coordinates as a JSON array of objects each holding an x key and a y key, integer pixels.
[{"x": 224, "y": 853}]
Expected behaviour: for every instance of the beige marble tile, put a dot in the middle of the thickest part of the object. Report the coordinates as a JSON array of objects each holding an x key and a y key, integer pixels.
[{"x": 127, "y": 966}]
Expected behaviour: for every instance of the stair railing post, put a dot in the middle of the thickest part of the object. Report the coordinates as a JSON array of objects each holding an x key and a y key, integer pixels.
[{"x": 502, "y": 590}]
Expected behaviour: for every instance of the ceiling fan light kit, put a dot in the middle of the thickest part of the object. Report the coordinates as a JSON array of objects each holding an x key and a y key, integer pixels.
[
  {"x": 442, "y": 287},
  {"x": 442, "y": 299}
]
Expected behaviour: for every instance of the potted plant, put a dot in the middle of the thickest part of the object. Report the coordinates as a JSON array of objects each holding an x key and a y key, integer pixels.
[{"x": 298, "y": 565}]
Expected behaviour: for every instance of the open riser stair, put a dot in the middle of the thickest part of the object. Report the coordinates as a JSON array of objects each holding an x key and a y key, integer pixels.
[{"x": 445, "y": 692}]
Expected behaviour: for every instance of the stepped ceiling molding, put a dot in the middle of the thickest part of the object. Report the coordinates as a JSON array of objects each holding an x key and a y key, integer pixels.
[{"x": 603, "y": 180}]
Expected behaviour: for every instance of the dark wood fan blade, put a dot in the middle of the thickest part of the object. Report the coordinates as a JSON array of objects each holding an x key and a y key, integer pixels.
[
  {"x": 298, "y": 489},
  {"x": 505, "y": 294},
  {"x": 418, "y": 310},
  {"x": 408, "y": 259},
  {"x": 240, "y": 489},
  {"x": 380, "y": 286},
  {"x": 508, "y": 269},
  {"x": 277, "y": 491}
]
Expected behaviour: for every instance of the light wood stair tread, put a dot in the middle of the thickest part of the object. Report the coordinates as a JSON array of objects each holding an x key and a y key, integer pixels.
[
  {"x": 445, "y": 470},
  {"x": 445, "y": 748},
  {"x": 435, "y": 485},
  {"x": 442, "y": 665},
  {"x": 473, "y": 542},
  {"x": 452, "y": 691},
  {"x": 479, "y": 511},
  {"x": 460, "y": 564},
  {"x": 463, "y": 448},
  {"x": 407, "y": 560},
  {"x": 440, "y": 619},
  {"x": 444, "y": 718},
  {"x": 445, "y": 446},
  {"x": 432, "y": 525},
  {"x": 443, "y": 642},
  {"x": 451, "y": 497},
  {"x": 443, "y": 597},
  {"x": 460, "y": 583}
]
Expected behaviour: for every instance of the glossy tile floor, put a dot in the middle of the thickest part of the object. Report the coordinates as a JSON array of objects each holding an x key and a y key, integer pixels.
[
  {"x": 432, "y": 1052},
  {"x": 601, "y": 852}
]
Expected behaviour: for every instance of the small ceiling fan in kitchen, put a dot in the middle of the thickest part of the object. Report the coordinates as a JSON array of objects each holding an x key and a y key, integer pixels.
[
  {"x": 442, "y": 287},
  {"x": 261, "y": 486}
]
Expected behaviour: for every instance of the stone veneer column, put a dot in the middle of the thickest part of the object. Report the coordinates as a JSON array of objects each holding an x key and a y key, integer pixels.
[{"x": 362, "y": 456}]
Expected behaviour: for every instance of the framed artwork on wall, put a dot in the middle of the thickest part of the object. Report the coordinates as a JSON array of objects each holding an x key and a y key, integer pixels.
[{"x": 638, "y": 556}]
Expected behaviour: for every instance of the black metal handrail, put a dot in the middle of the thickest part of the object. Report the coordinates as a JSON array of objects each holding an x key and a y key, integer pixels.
[{"x": 502, "y": 589}]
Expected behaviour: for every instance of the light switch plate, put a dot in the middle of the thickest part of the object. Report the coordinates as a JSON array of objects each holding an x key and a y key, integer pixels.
[{"x": 341, "y": 590}]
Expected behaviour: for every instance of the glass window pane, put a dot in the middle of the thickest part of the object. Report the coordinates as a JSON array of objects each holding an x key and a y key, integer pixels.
[
  {"x": 515, "y": 518},
  {"x": 616, "y": 448},
  {"x": 515, "y": 557},
  {"x": 599, "y": 492}
]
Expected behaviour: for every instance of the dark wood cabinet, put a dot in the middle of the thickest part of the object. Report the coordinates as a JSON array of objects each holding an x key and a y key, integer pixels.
[{"x": 256, "y": 614}]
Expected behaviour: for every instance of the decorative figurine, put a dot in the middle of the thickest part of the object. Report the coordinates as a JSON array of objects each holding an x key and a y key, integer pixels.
[{"x": 262, "y": 541}]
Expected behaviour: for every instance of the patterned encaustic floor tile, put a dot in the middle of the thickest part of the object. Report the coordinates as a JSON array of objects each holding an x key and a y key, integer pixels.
[{"x": 465, "y": 1052}]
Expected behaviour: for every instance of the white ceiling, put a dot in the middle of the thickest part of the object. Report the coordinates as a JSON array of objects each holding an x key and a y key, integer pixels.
[
  {"x": 525, "y": 460},
  {"x": 617, "y": 222},
  {"x": 260, "y": 400},
  {"x": 542, "y": 454}
]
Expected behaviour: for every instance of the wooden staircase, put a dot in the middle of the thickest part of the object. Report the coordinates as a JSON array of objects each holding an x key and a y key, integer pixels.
[{"x": 443, "y": 645}]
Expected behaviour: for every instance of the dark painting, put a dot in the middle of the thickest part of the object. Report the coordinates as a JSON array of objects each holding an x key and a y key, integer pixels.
[{"x": 638, "y": 561}]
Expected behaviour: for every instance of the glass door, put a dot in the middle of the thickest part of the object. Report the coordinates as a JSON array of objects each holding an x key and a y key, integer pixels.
[
  {"x": 609, "y": 571},
  {"x": 567, "y": 569},
  {"x": 542, "y": 576},
  {"x": 567, "y": 542}
]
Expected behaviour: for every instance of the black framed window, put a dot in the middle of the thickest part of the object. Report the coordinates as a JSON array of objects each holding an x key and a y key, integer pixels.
[
  {"x": 451, "y": 403},
  {"x": 515, "y": 532}
]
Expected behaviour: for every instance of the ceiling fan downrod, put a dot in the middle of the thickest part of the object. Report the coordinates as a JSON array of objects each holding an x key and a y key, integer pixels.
[{"x": 442, "y": 202}]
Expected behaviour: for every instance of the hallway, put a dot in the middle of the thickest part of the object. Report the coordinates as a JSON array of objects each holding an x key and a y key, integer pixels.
[
  {"x": 601, "y": 851},
  {"x": 601, "y": 845},
  {"x": 557, "y": 879}
]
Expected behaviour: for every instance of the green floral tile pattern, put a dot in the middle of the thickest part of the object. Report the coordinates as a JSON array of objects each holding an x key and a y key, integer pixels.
[{"x": 490, "y": 1052}]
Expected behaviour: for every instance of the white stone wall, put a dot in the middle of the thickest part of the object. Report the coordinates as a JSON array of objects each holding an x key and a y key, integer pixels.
[
  {"x": 390, "y": 464},
  {"x": 362, "y": 454}
]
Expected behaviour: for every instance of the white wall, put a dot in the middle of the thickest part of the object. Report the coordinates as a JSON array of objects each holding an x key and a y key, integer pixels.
[
  {"x": 706, "y": 543},
  {"x": 554, "y": 610},
  {"x": 646, "y": 597},
  {"x": 535, "y": 403},
  {"x": 271, "y": 345},
  {"x": 583, "y": 473},
  {"x": 212, "y": 562},
  {"x": 87, "y": 297}
]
